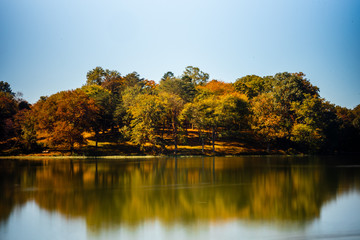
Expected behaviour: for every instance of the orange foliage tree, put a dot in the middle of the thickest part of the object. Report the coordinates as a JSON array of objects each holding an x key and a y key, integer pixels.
[
  {"x": 65, "y": 116},
  {"x": 218, "y": 87},
  {"x": 266, "y": 118}
]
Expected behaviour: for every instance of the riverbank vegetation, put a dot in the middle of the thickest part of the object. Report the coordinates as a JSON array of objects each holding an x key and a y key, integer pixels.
[{"x": 113, "y": 114}]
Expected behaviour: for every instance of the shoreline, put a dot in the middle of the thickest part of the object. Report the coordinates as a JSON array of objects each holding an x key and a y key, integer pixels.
[{"x": 149, "y": 156}]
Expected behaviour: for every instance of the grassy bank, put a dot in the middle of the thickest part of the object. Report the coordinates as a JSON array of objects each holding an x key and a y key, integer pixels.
[{"x": 109, "y": 145}]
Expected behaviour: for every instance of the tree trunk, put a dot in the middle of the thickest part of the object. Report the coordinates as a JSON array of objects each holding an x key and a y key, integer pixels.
[
  {"x": 213, "y": 139},
  {"x": 175, "y": 143},
  {"x": 163, "y": 130},
  {"x": 202, "y": 145},
  {"x": 96, "y": 139},
  {"x": 72, "y": 147},
  {"x": 175, "y": 136}
]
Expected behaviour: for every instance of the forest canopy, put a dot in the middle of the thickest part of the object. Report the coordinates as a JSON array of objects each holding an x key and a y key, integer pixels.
[{"x": 283, "y": 112}]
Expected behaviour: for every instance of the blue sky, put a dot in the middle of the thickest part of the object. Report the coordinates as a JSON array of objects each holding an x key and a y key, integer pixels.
[{"x": 49, "y": 46}]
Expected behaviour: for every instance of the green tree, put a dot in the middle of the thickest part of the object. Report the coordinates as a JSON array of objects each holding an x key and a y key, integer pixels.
[
  {"x": 146, "y": 113},
  {"x": 215, "y": 113},
  {"x": 108, "y": 79},
  {"x": 233, "y": 104},
  {"x": 5, "y": 87},
  {"x": 292, "y": 87},
  {"x": 173, "y": 105},
  {"x": 180, "y": 87},
  {"x": 175, "y": 92},
  {"x": 95, "y": 76},
  {"x": 287, "y": 89},
  {"x": 129, "y": 107},
  {"x": 234, "y": 112},
  {"x": 168, "y": 75},
  {"x": 349, "y": 128},
  {"x": 252, "y": 85},
  {"x": 192, "y": 114},
  {"x": 315, "y": 124},
  {"x": 25, "y": 125},
  {"x": 307, "y": 137},
  {"x": 195, "y": 75},
  {"x": 133, "y": 79}
]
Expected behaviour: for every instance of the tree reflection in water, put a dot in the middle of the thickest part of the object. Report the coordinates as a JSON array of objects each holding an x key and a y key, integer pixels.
[{"x": 108, "y": 192}]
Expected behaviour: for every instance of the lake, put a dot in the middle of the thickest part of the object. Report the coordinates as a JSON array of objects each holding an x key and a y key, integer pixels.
[{"x": 274, "y": 197}]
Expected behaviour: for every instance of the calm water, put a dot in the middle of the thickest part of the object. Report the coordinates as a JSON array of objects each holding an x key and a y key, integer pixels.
[{"x": 183, "y": 198}]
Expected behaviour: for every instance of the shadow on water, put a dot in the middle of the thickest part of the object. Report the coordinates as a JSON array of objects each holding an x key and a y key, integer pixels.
[{"x": 109, "y": 193}]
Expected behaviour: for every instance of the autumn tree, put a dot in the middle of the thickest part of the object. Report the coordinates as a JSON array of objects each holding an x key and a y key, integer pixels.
[
  {"x": 65, "y": 116},
  {"x": 108, "y": 79},
  {"x": 234, "y": 103},
  {"x": 106, "y": 104},
  {"x": 285, "y": 109},
  {"x": 8, "y": 108},
  {"x": 267, "y": 118},
  {"x": 150, "y": 86},
  {"x": 16, "y": 122},
  {"x": 218, "y": 88},
  {"x": 356, "y": 120}
]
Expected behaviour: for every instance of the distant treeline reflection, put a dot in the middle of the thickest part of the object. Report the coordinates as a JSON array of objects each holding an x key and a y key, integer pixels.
[{"x": 107, "y": 193}]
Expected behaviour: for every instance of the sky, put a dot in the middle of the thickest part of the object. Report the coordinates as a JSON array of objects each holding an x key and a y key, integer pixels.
[{"x": 49, "y": 46}]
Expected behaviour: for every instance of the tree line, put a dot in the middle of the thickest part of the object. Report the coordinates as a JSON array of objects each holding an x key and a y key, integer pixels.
[{"x": 284, "y": 111}]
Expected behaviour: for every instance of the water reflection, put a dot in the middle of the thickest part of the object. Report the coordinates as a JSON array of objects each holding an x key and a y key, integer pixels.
[{"x": 110, "y": 193}]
